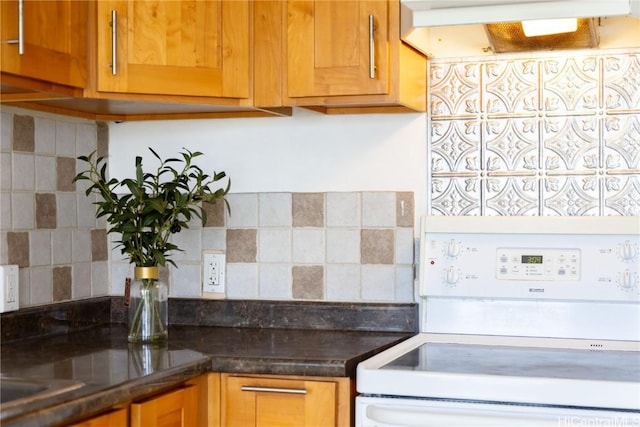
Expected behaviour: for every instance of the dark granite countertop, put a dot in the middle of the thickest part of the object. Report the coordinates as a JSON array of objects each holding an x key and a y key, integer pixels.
[{"x": 114, "y": 371}]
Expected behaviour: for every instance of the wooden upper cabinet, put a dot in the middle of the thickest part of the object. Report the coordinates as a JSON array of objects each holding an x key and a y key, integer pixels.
[
  {"x": 337, "y": 48},
  {"x": 188, "y": 47},
  {"x": 54, "y": 40},
  {"x": 348, "y": 53}
]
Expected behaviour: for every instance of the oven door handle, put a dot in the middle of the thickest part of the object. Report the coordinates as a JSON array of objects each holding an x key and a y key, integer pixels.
[{"x": 424, "y": 417}]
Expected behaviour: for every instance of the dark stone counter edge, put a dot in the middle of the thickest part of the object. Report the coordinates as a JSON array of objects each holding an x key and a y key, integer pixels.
[
  {"x": 75, "y": 316},
  {"x": 96, "y": 402},
  {"x": 71, "y": 316},
  {"x": 101, "y": 400},
  {"x": 334, "y": 368}
]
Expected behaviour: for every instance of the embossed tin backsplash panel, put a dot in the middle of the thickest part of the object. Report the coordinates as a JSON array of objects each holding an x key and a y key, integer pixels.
[{"x": 547, "y": 134}]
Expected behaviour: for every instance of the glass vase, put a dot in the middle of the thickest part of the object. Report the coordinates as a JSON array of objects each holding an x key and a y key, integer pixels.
[{"x": 148, "y": 306}]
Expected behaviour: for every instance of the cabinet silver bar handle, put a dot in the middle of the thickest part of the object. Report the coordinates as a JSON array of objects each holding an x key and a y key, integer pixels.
[
  {"x": 372, "y": 48},
  {"x": 273, "y": 389},
  {"x": 114, "y": 42},
  {"x": 20, "y": 40}
]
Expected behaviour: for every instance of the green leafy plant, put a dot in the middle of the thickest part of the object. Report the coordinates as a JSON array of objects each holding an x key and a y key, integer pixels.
[{"x": 155, "y": 206}]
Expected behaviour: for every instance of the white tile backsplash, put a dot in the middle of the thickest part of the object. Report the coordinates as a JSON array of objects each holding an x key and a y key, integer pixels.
[
  {"x": 242, "y": 281},
  {"x": 343, "y": 245},
  {"x": 6, "y": 181},
  {"x": 404, "y": 246},
  {"x": 343, "y": 210},
  {"x": 404, "y": 284},
  {"x": 214, "y": 238},
  {"x": 279, "y": 246},
  {"x": 67, "y": 211},
  {"x": 86, "y": 139},
  {"x": 41, "y": 290},
  {"x": 23, "y": 172},
  {"x": 99, "y": 279},
  {"x": 378, "y": 282},
  {"x": 65, "y": 139},
  {"x": 40, "y": 248},
  {"x": 185, "y": 281},
  {"x": 61, "y": 247},
  {"x": 379, "y": 209},
  {"x": 275, "y": 209},
  {"x": 81, "y": 275},
  {"x": 274, "y": 245},
  {"x": 190, "y": 241},
  {"x": 22, "y": 211},
  {"x": 86, "y": 211},
  {"x": 45, "y": 173},
  {"x": 244, "y": 210},
  {"x": 274, "y": 281},
  {"x": 80, "y": 245},
  {"x": 343, "y": 282},
  {"x": 5, "y": 210},
  {"x": 308, "y": 246},
  {"x": 25, "y": 286},
  {"x": 45, "y": 136},
  {"x": 6, "y": 132}
]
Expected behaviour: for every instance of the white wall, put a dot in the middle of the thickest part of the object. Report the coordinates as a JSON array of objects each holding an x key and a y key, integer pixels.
[{"x": 308, "y": 152}]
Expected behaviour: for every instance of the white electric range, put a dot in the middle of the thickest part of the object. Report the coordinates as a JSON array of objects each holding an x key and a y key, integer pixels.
[{"x": 525, "y": 321}]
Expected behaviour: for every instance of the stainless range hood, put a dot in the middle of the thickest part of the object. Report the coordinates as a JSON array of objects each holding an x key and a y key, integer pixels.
[{"x": 418, "y": 16}]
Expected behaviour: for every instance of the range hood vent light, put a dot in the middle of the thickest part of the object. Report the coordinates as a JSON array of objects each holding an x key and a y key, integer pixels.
[
  {"x": 542, "y": 27},
  {"x": 502, "y": 21},
  {"x": 510, "y": 37}
]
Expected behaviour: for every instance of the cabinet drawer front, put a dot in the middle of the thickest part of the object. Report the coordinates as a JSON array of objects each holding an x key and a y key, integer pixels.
[{"x": 253, "y": 401}]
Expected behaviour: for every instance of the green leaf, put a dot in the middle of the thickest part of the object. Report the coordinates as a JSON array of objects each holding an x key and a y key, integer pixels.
[{"x": 150, "y": 202}]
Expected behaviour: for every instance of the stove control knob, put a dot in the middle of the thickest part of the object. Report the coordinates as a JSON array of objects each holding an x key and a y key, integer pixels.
[
  {"x": 451, "y": 276},
  {"x": 627, "y": 251},
  {"x": 627, "y": 280},
  {"x": 452, "y": 249}
]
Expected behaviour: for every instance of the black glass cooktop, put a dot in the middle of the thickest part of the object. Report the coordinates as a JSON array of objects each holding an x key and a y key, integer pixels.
[{"x": 521, "y": 361}]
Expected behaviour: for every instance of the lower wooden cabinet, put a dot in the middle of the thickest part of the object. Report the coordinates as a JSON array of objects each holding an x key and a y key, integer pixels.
[
  {"x": 284, "y": 401},
  {"x": 177, "y": 408},
  {"x": 184, "y": 406},
  {"x": 113, "y": 418},
  {"x": 238, "y": 400}
]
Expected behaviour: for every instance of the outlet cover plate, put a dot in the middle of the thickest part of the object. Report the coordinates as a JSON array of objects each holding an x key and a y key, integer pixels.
[
  {"x": 213, "y": 274},
  {"x": 10, "y": 300}
]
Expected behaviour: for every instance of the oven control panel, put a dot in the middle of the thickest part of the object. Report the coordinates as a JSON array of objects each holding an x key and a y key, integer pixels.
[
  {"x": 539, "y": 264},
  {"x": 531, "y": 257}
]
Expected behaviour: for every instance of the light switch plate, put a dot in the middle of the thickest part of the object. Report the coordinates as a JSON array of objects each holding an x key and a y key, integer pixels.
[
  {"x": 213, "y": 274},
  {"x": 10, "y": 300}
]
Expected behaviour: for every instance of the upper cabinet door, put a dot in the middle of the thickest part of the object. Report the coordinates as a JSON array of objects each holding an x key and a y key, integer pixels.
[
  {"x": 337, "y": 48},
  {"x": 188, "y": 47},
  {"x": 48, "y": 32}
]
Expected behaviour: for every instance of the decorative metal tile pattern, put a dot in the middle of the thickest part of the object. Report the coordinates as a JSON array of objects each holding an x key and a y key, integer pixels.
[{"x": 550, "y": 134}]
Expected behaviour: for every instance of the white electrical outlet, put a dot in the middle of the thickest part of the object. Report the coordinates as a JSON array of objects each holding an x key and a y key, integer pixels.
[
  {"x": 213, "y": 274},
  {"x": 9, "y": 285}
]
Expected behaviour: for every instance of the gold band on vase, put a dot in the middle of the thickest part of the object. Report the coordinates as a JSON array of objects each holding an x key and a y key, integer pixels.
[{"x": 146, "y": 273}]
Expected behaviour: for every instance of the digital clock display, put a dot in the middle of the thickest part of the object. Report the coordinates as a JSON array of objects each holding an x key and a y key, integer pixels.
[{"x": 532, "y": 259}]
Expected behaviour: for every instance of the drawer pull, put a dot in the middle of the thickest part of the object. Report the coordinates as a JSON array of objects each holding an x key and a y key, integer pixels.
[{"x": 273, "y": 389}]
